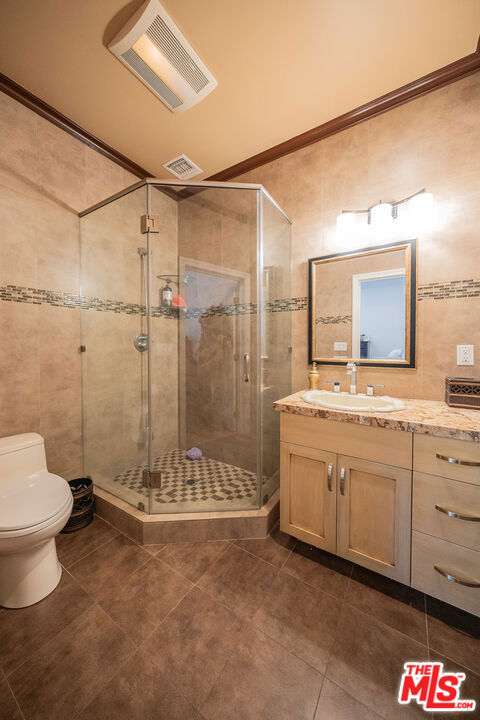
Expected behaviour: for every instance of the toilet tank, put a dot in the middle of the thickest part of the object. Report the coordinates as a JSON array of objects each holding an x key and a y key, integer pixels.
[{"x": 21, "y": 456}]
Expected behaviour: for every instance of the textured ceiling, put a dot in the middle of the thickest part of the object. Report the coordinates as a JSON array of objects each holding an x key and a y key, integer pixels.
[{"x": 283, "y": 67}]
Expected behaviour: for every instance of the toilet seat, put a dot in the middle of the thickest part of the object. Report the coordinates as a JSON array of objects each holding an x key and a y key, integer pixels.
[{"x": 32, "y": 503}]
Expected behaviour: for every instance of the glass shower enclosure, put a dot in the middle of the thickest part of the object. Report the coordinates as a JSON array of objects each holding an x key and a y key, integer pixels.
[{"x": 186, "y": 340}]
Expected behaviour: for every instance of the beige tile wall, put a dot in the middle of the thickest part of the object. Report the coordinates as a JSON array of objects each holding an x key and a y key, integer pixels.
[
  {"x": 46, "y": 177},
  {"x": 431, "y": 142}
]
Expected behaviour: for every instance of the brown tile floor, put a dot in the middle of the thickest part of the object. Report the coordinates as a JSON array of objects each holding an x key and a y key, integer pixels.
[{"x": 248, "y": 630}]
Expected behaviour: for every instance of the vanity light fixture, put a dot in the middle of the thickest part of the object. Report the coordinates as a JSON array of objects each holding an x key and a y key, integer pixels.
[
  {"x": 419, "y": 213},
  {"x": 381, "y": 216}
]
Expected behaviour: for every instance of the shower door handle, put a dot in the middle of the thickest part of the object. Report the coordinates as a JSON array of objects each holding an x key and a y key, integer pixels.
[{"x": 246, "y": 367}]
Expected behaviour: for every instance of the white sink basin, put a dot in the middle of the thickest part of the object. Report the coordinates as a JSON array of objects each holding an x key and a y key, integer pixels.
[{"x": 352, "y": 403}]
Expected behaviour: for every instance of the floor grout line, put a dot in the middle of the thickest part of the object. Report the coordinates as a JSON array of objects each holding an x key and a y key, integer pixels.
[
  {"x": 95, "y": 548},
  {"x": 122, "y": 663},
  {"x": 324, "y": 677},
  {"x": 15, "y": 698},
  {"x": 257, "y": 556},
  {"x": 30, "y": 657}
]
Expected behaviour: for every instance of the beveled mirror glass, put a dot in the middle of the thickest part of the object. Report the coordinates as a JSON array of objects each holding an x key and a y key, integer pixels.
[{"x": 362, "y": 306}]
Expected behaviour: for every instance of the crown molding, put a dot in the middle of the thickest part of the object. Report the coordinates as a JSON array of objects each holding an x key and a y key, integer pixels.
[
  {"x": 426, "y": 84},
  {"x": 17, "y": 92}
]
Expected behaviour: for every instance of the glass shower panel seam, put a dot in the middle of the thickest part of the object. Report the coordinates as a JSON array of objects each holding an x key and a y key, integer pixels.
[
  {"x": 149, "y": 354},
  {"x": 259, "y": 335}
]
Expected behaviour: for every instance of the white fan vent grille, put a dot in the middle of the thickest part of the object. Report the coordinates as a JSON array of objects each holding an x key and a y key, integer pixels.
[
  {"x": 182, "y": 167},
  {"x": 154, "y": 49},
  {"x": 161, "y": 35},
  {"x": 140, "y": 67}
]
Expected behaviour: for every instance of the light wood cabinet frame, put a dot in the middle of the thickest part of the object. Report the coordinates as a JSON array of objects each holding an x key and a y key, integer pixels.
[
  {"x": 374, "y": 516},
  {"x": 308, "y": 495}
]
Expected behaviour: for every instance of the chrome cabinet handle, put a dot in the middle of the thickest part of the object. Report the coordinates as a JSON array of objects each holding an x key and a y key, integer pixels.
[
  {"x": 455, "y": 461},
  {"x": 246, "y": 367},
  {"x": 455, "y": 514},
  {"x": 329, "y": 478},
  {"x": 342, "y": 481},
  {"x": 461, "y": 581}
]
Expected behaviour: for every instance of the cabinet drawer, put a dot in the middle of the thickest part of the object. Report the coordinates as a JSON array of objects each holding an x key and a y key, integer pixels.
[
  {"x": 433, "y": 496},
  {"x": 460, "y": 562},
  {"x": 431, "y": 455},
  {"x": 391, "y": 447}
]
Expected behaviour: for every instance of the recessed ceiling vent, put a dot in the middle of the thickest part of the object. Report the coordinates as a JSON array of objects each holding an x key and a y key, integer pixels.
[
  {"x": 182, "y": 167},
  {"x": 155, "y": 50}
]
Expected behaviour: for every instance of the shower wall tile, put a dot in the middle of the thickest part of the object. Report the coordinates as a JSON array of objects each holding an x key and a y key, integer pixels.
[
  {"x": 46, "y": 177},
  {"x": 61, "y": 165},
  {"x": 431, "y": 142},
  {"x": 20, "y": 369},
  {"x": 18, "y": 138}
]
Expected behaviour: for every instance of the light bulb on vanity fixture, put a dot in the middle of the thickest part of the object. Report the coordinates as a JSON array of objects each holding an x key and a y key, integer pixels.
[
  {"x": 382, "y": 217},
  {"x": 346, "y": 223}
]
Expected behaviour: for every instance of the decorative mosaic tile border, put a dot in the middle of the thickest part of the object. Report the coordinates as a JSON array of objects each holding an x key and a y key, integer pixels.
[
  {"x": 36, "y": 296},
  {"x": 451, "y": 289},
  {"x": 333, "y": 319}
]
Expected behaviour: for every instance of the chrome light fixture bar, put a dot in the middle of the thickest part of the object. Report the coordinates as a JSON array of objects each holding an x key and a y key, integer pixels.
[{"x": 417, "y": 218}]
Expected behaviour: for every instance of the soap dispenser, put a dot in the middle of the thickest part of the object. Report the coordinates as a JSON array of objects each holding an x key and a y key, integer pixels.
[{"x": 313, "y": 377}]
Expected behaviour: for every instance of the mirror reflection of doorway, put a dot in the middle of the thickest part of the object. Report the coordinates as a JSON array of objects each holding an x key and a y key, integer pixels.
[{"x": 378, "y": 314}]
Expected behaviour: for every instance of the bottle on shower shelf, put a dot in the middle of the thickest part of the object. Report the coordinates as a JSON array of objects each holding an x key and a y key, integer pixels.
[{"x": 167, "y": 294}]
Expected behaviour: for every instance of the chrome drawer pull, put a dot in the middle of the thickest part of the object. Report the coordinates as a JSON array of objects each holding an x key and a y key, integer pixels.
[
  {"x": 342, "y": 481},
  {"x": 329, "y": 477},
  {"x": 460, "y": 581},
  {"x": 455, "y": 461},
  {"x": 455, "y": 514}
]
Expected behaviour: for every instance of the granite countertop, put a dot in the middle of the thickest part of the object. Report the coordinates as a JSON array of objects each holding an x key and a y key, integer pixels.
[{"x": 419, "y": 416}]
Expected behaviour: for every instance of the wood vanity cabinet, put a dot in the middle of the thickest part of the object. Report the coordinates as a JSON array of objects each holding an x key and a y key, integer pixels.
[
  {"x": 446, "y": 520},
  {"x": 406, "y": 505},
  {"x": 350, "y": 505}
]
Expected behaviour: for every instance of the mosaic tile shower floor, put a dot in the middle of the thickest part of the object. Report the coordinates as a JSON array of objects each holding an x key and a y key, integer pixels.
[{"x": 203, "y": 482}]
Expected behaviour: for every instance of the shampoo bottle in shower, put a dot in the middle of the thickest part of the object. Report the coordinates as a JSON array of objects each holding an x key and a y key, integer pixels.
[{"x": 167, "y": 296}]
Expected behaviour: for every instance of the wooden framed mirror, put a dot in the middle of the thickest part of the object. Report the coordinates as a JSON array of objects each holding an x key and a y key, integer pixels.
[{"x": 362, "y": 306}]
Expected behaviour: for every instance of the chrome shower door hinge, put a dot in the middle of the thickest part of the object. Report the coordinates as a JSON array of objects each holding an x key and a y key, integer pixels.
[
  {"x": 150, "y": 223},
  {"x": 152, "y": 478}
]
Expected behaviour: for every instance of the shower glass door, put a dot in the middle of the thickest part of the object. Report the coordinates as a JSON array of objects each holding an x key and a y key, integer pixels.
[
  {"x": 204, "y": 374},
  {"x": 114, "y": 276}
]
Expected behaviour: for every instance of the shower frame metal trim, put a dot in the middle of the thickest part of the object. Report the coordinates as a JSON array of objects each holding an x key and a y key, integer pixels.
[{"x": 201, "y": 184}]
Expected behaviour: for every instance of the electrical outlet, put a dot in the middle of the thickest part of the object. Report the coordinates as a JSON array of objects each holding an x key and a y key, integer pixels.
[{"x": 465, "y": 355}]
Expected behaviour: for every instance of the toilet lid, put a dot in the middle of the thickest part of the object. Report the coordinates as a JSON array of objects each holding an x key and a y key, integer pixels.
[{"x": 32, "y": 500}]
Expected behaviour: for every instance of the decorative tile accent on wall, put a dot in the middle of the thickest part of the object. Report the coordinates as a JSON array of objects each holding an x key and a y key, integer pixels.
[
  {"x": 38, "y": 296},
  {"x": 451, "y": 289},
  {"x": 333, "y": 319}
]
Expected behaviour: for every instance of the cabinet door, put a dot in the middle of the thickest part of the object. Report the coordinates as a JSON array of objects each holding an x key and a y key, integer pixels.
[
  {"x": 308, "y": 495},
  {"x": 374, "y": 516}
]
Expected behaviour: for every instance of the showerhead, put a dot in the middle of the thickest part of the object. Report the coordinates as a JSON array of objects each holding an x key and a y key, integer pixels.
[{"x": 142, "y": 251}]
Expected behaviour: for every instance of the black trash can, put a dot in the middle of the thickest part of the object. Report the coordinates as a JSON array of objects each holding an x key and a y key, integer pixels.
[{"x": 83, "y": 504}]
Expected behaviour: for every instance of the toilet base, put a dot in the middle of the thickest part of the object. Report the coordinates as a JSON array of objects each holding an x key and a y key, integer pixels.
[{"x": 28, "y": 577}]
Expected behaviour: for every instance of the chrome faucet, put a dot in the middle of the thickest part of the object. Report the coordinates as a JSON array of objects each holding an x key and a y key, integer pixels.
[{"x": 352, "y": 371}]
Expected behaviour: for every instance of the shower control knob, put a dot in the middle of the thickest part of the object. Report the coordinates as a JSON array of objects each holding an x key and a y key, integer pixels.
[{"x": 141, "y": 342}]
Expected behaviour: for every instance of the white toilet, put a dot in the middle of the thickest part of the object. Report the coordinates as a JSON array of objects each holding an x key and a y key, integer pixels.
[{"x": 34, "y": 506}]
